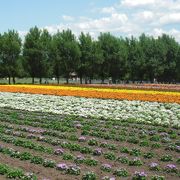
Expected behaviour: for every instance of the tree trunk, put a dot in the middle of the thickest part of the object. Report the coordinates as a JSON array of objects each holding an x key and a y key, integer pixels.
[
  {"x": 113, "y": 80},
  {"x": 9, "y": 80},
  {"x": 40, "y": 80},
  {"x": 67, "y": 80},
  {"x": 86, "y": 80},
  {"x": 58, "y": 80},
  {"x": 89, "y": 81},
  {"x": 102, "y": 80},
  {"x": 32, "y": 80},
  {"x": 14, "y": 80},
  {"x": 80, "y": 79}
]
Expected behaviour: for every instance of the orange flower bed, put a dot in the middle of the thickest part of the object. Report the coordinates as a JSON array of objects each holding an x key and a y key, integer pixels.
[{"x": 154, "y": 96}]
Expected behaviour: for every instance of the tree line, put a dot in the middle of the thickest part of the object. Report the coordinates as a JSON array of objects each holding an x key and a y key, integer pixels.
[{"x": 42, "y": 55}]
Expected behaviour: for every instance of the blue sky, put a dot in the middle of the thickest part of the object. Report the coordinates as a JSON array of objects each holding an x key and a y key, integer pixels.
[
  {"x": 23, "y": 14},
  {"x": 120, "y": 17}
]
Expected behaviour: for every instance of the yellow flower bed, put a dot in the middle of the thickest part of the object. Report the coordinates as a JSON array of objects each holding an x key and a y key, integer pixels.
[{"x": 106, "y": 93}]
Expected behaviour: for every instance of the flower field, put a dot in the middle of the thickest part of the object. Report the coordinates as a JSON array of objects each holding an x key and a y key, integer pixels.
[
  {"x": 89, "y": 133},
  {"x": 92, "y": 92}
]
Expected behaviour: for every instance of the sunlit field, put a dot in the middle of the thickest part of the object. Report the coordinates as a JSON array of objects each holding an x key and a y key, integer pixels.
[{"x": 89, "y": 132}]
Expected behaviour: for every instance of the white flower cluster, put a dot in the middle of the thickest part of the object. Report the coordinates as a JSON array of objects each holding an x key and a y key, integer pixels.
[{"x": 146, "y": 112}]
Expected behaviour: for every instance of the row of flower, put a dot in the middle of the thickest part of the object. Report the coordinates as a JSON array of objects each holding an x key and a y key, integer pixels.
[
  {"x": 76, "y": 145},
  {"x": 103, "y": 93},
  {"x": 137, "y": 111},
  {"x": 52, "y": 139},
  {"x": 73, "y": 142},
  {"x": 15, "y": 173},
  {"x": 74, "y": 169},
  {"x": 86, "y": 150},
  {"x": 157, "y": 87}
]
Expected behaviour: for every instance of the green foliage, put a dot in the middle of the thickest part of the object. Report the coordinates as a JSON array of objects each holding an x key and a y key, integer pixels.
[
  {"x": 166, "y": 158},
  {"x": 121, "y": 172},
  {"x": 10, "y": 48},
  {"x": 89, "y": 176},
  {"x": 110, "y": 156},
  {"x": 44, "y": 55},
  {"x": 91, "y": 162}
]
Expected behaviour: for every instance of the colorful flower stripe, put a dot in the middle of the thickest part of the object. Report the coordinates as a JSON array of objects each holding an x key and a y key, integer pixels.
[
  {"x": 135, "y": 111},
  {"x": 157, "y": 87},
  {"x": 142, "y": 95}
]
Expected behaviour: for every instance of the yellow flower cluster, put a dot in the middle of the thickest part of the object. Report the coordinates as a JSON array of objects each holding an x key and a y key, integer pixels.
[{"x": 96, "y": 92}]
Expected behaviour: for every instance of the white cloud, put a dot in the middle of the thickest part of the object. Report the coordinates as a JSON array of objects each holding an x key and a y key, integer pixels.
[
  {"x": 144, "y": 16},
  {"x": 128, "y": 17},
  {"x": 175, "y": 33},
  {"x": 172, "y": 32},
  {"x": 135, "y": 3},
  {"x": 170, "y": 18},
  {"x": 22, "y": 33},
  {"x": 152, "y": 4},
  {"x": 108, "y": 10},
  {"x": 68, "y": 18}
]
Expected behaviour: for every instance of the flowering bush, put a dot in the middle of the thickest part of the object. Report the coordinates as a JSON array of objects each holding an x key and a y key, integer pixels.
[
  {"x": 171, "y": 168},
  {"x": 139, "y": 176},
  {"x": 154, "y": 166},
  {"x": 82, "y": 139},
  {"x": 58, "y": 151},
  {"x": 106, "y": 167},
  {"x": 62, "y": 167},
  {"x": 79, "y": 159},
  {"x": 97, "y": 152},
  {"x": 74, "y": 170},
  {"x": 29, "y": 176}
]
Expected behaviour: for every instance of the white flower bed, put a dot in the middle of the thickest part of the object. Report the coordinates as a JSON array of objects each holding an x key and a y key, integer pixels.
[{"x": 147, "y": 112}]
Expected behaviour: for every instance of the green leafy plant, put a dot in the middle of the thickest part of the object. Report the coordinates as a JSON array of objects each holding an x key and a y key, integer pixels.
[
  {"x": 49, "y": 163},
  {"x": 148, "y": 155},
  {"x": 157, "y": 177},
  {"x": 166, "y": 158},
  {"x": 89, "y": 176},
  {"x": 121, "y": 172},
  {"x": 67, "y": 156},
  {"x": 91, "y": 162},
  {"x": 37, "y": 160},
  {"x": 135, "y": 152},
  {"x": 135, "y": 162},
  {"x": 123, "y": 159},
  {"x": 110, "y": 156}
]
